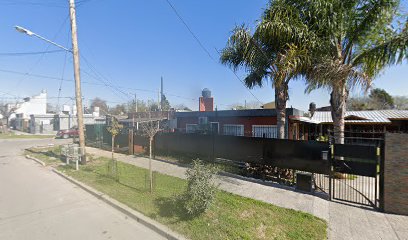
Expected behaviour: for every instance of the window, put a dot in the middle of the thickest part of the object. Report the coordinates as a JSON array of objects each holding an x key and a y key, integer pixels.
[
  {"x": 202, "y": 120},
  {"x": 191, "y": 128},
  {"x": 234, "y": 129},
  {"x": 267, "y": 131}
]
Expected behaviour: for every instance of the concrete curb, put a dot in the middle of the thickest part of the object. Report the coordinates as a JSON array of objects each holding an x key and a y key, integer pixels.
[
  {"x": 36, "y": 160},
  {"x": 139, "y": 217}
]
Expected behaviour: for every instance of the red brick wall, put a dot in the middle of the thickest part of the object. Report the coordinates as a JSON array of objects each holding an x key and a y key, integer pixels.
[
  {"x": 206, "y": 104},
  {"x": 181, "y": 122},
  {"x": 246, "y": 121}
]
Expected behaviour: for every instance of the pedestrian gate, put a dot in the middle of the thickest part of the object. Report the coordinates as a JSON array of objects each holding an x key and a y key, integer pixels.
[{"x": 356, "y": 174}]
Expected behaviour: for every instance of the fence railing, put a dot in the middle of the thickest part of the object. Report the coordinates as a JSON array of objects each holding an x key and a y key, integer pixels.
[{"x": 333, "y": 168}]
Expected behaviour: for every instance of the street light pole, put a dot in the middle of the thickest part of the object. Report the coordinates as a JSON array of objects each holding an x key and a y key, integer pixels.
[
  {"x": 29, "y": 33},
  {"x": 75, "y": 52}
]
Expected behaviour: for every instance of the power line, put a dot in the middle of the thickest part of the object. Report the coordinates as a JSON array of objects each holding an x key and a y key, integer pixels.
[
  {"x": 31, "y": 3},
  {"x": 62, "y": 78},
  {"x": 204, "y": 48},
  {"x": 100, "y": 83},
  {"x": 23, "y": 54}
]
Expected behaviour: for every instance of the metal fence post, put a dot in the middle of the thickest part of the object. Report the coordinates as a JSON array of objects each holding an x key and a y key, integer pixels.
[
  {"x": 330, "y": 158},
  {"x": 381, "y": 185}
]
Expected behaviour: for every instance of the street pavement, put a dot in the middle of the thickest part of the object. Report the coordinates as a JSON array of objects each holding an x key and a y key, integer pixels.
[{"x": 35, "y": 203}]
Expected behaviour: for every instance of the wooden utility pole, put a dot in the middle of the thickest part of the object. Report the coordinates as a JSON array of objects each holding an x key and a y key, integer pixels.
[{"x": 78, "y": 95}]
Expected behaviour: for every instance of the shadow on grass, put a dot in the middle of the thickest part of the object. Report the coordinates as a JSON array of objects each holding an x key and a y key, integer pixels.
[
  {"x": 48, "y": 153},
  {"x": 172, "y": 208}
]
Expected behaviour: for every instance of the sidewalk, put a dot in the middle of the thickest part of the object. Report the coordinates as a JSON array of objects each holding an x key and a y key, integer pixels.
[{"x": 344, "y": 221}]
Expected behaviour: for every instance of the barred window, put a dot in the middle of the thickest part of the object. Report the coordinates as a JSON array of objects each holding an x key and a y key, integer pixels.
[
  {"x": 233, "y": 129},
  {"x": 267, "y": 131}
]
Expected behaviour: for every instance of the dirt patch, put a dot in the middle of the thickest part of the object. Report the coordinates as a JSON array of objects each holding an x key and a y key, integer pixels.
[
  {"x": 247, "y": 214},
  {"x": 261, "y": 231}
]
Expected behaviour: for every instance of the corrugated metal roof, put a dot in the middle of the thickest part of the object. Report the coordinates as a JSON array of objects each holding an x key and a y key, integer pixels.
[
  {"x": 374, "y": 116},
  {"x": 395, "y": 114}
]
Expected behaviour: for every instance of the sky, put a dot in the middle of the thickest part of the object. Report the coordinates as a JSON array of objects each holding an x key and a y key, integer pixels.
[{"x": 126, "y": 46}]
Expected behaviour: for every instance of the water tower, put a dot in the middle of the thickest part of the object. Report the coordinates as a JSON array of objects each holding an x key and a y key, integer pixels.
[{"x": 206, "y": 102}]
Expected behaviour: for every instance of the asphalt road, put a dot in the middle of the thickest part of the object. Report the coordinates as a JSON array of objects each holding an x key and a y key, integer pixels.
[{"x": 35, "y": 203}]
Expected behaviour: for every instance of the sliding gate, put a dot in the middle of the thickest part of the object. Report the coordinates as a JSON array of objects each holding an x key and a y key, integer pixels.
[{"x": 356, "y": 174}]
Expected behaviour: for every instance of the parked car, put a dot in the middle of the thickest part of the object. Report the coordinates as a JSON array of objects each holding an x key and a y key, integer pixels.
[{"x": 72, "y": 132}]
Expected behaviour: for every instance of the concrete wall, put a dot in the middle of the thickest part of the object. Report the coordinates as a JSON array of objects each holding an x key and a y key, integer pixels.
[
  {"x": 64, "y": 121},
  {"x": 396, "y": 173},
  {"x": 43, "y": 124},
  {"x": 35, "y": 105}
]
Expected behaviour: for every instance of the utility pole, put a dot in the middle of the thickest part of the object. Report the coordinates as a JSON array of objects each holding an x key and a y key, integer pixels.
[
  {"x": 78, "y": 96},
  {"x": 135, "y": 102},
  {"x": 161, "y": 94},
  {"x": 133, "y": 115},
  {"x": 158, "y": 100},
  {"x": 137, "y": 123}
]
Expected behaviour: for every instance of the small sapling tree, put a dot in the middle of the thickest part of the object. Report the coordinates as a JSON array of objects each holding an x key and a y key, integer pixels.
[
  {"x": 150, "y": 129},
  {"x": 114, "y": 130}
]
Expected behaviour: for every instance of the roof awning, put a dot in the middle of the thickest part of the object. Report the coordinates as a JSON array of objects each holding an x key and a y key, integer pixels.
[{"x": 304, "y": 119}]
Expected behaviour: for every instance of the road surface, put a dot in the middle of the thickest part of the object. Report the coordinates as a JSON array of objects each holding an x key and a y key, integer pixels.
[{"x": 35, "y": 203}]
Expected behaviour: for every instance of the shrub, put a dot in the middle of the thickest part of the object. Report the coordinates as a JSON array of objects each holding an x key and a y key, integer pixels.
[{"x": 201, "y": 187}]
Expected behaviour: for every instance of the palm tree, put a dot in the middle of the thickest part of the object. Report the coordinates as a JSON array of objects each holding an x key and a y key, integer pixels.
[
  {"x": 355, "y": 42},
  {"x": 271, "y": 53}
]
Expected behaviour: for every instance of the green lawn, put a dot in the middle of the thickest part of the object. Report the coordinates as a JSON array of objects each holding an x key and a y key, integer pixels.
[
  {"x": 230, "y": 217},
  {"x": 15, "y": 136}
]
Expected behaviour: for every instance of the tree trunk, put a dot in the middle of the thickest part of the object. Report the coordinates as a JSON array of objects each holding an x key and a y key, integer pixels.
[
  {"x": 150, "y": 165},
  {"x": 281, "y": 97},
  {"x": 113, "y": 145},
  {"x": 338, "y": 98}
]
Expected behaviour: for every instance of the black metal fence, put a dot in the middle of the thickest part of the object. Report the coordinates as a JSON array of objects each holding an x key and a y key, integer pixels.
[
  {"x": 97, "y": 135},
  {"x": 357, "y": 173},
  {"x": 348, "y": 172}
]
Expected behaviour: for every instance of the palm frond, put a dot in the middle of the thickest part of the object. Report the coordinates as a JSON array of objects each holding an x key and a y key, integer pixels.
[
  {"x": 368, "y": 17},
  {"x": 394, "y": 50}
]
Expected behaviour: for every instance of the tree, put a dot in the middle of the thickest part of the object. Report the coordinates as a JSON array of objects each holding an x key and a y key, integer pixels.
[
  {"x": 381, "y": 99},
  {"x": 358, "y": 104},
  {"x": 119, "y": 109},
  {"x": 114, "y": 130},
  {"x": 103, "y": 106},
  {"x": 165, "y": 104},
  {"x": 272, "y": 53},
  {"x": 141, "y": 106},
  {"x": 401, "y": 102},
  {"x": 182, "y": 107},
  {"x": 150, "y": 129},
  {"x": 354, "y": 42},
  {"x": 246, "y": 105},
  {"x": 152, "y": 106},
  {"x": 378, "y": 99},
  {"x": 7, "y": 110}
]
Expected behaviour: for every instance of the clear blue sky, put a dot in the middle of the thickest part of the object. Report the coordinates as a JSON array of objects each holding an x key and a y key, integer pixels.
[{"x": 134, "y": 43}]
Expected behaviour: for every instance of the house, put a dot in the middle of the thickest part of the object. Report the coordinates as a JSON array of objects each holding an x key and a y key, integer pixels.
[
  {"x": 20, "y": 117},
  {"x": 68, "y": 118},
  {"x": 358, "y": 124},
  {"x": 250, "y": 122}
]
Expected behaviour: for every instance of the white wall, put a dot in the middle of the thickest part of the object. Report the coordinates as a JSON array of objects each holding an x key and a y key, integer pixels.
[{"x": 35, "y": 105}]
